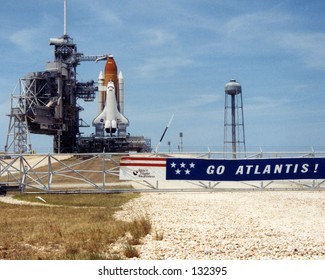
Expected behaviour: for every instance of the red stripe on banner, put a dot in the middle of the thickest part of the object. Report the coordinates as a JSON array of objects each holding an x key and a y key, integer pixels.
[
  {"x": 143, "y": 161},
  {"x": 143, "y": 158},
  {"x": 143, "y": 164}
]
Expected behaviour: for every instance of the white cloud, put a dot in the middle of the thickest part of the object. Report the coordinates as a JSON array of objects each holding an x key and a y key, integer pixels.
[
  {"x": 261, "y": 32},
  {"x": 199, "y": 101},
  {"x": 32, "y": 38},
  {"x": 96, "y": 12},
  {"x": 274, "y": 31},
  {"x": 309, "y": 47},
  {"x": 256, "y": 24},
  {"x": 157, "y": 37},
  {"x": 25, "y": 39},
  {"x": 163, "y": 65}
]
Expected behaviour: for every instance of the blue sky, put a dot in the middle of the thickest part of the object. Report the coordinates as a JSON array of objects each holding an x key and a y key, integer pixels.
[{"x": 176, "y": 57}]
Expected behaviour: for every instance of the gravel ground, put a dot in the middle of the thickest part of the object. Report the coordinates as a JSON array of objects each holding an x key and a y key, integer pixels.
[{"x": 232, "y": 225}]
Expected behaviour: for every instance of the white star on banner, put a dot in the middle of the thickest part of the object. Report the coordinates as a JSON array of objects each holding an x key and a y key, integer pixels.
[
  {"x": 173, "y": 165},
  {"x": 178, "y": 171},
  {"x": 183, "y": 165},
  {"x": 187, "y": 172},
  {"x": 192, "y": 165}
]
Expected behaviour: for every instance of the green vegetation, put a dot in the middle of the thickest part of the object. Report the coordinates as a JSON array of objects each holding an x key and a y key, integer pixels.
[{"x": 76, "y": 226}]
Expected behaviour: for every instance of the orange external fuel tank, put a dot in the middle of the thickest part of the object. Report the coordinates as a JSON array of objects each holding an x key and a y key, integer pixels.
[{"x": 110, "y": 74}]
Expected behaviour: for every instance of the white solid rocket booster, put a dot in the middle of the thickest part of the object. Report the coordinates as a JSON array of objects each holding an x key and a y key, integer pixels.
[
  {"x": 101, "y": 92},
  {"x": 121, "y": 92}
]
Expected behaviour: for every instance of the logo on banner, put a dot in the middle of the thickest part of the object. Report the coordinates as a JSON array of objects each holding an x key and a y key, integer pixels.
[
  {"x": 144, "y": 173},
  {"x": 142, "y": 168}
]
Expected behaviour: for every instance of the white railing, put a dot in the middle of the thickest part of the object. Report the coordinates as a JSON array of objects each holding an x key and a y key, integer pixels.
[{"x": 100, "y": 173}]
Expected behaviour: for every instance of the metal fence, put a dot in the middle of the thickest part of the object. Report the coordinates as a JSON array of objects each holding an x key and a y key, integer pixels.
[{"x": 89, "y": 173}]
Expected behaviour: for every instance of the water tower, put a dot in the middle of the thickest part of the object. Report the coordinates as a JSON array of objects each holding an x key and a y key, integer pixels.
[{"x": 234, "y": 130}]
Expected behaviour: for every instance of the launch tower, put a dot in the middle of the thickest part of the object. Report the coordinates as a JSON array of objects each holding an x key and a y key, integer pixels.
[{"x": 47, "y": 104}]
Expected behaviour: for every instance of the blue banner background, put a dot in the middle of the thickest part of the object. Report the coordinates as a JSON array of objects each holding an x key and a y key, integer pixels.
[{"x": 245, "y": 169}]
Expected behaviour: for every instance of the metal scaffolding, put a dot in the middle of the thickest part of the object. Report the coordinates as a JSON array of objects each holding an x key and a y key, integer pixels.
[{"x": 18, "y": 137}]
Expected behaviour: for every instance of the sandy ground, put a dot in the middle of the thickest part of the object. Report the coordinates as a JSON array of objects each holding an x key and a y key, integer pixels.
[
  {"x": 229, "y": 225},
  {"x": 232, "y": 225}
]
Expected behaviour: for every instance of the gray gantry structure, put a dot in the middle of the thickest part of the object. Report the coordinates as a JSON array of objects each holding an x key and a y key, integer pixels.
[{"x": 47, "y": 104}]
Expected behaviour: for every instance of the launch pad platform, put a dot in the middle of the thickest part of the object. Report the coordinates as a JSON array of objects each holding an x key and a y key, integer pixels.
[{"x": 95, "y": 144}]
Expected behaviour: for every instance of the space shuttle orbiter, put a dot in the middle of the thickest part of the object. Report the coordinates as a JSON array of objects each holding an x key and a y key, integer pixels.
[
  {"x": 110, "y": 118},
  {"x": 110, "y": 101}
]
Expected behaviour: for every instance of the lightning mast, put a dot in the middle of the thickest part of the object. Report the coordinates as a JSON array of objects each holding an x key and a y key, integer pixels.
[{"x": 65, "y": 18}]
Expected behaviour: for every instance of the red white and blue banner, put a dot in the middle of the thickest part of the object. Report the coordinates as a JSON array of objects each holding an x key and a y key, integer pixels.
[{"x": 140, "y": 168}]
